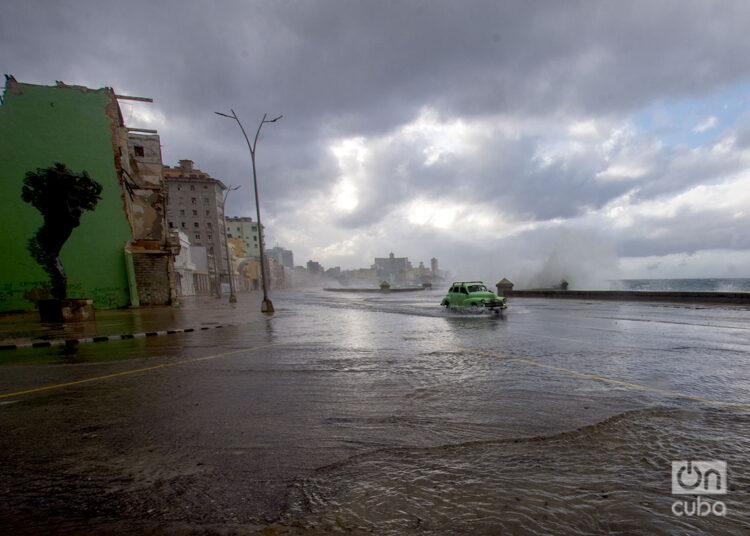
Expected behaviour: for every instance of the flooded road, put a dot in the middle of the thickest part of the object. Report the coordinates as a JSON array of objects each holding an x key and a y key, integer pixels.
[{"x": 385, "y": 414}]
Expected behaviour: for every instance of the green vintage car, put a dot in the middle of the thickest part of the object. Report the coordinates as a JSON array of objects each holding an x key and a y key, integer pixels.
[{"x": 473, "y": 294}]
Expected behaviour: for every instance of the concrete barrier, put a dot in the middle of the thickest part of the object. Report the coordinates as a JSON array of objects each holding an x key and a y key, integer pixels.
[{"x": 741, "y": 298}]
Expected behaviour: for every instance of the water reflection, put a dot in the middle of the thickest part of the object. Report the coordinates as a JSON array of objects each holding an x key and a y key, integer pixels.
[{"x": 391, "y": 415}]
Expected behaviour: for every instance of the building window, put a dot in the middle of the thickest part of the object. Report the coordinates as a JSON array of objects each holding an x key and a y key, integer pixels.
[
  {"x": 171, "y": 225},
  {"x": 179, "y": 187},
  {"x": 182, "y": 212},
  {"x": 211, "y": 250},
  {"x": 209, "y": 238},
  {"x": 192, "y": 187},
  {"x": 205, "y": 200},
  {"x": 208, "y": 213},
  {"x": 208, "y": 225},
  {"x": 138, "y": 150},
  {"x": 195, "y": 224},
  {"x": 195, "y": 213},
  {"x": 193, "y": 200},
  {"x": 205, "y": 187},
  {"x": 183, "y": 225},
  {"x": 197, "y": 236}
]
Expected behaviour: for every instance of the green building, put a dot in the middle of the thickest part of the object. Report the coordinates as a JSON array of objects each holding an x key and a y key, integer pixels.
[{"x": 82, "y": 128}]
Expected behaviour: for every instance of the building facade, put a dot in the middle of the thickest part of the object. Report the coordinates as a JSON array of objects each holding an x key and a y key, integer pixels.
[
  {"x": 195, "y": 206},
  {"x": 314, "y": 267},
  {"x": 284, "y": 257},
  {"x": 82, "y": 128},
  {"x": 153, "y": 249},
  {"x": 392, "y": 268},
  {"x": 245, "y": 229}
]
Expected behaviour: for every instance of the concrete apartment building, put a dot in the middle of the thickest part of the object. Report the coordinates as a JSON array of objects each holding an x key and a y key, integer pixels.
[
  {"x": 195, "y": 206},
  {"x": 392, "y": 268},
  {"x": 284, "y": 257},
  {"x": 245, "y": 229}
]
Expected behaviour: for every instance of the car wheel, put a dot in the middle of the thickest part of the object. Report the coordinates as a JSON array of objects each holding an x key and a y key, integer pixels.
[{"x": 474, "y": 305}]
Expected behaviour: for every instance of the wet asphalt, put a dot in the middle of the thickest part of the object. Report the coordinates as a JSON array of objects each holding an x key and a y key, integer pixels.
[{"x": 217, "y": 431}]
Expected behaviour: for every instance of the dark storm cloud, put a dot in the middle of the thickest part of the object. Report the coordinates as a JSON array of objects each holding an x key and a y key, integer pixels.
[{"x": 339, "y": 70}]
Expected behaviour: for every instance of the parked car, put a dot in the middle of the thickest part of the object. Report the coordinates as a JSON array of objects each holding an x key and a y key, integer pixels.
[{"x": 473, "y": 295}]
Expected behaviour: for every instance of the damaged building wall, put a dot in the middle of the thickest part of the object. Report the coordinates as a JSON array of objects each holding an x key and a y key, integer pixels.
[
  {"x": 78, "y": 126},
  {"x": 153, "y": 249},
  {"x": 145, "y": 181}
]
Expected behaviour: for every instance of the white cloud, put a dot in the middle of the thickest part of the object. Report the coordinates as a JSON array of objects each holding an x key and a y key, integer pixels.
[
  {"x": 619, "y": 172},
  {"x": 706, "y": 124}
]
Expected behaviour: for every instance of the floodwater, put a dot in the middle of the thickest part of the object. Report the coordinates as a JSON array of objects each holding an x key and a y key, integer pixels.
[{"x": 387, "y": 414}]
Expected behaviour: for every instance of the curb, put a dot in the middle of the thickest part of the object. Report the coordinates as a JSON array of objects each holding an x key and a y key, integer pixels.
[{"x": 104, "y": 338}]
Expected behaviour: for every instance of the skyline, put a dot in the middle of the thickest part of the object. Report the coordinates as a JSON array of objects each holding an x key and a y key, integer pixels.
[{"x": 524, "y": 140}]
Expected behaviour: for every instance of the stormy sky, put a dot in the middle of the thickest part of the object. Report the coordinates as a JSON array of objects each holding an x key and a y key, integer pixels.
[{"x": 531, "y": 140}]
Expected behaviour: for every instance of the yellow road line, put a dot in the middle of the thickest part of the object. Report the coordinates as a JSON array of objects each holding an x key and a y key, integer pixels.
[
  {"x": 582, "y": 374},
  {"x": 135, "y": 371}
]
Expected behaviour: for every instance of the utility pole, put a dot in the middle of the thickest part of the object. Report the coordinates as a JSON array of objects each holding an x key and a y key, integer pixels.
[
  {"x": 266, "y": 306},
  {"x": 232, "y": 297}
]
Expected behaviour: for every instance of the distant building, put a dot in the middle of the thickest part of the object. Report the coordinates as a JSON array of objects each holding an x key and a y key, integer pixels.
[
  {"x": 434, "y": 266},
  {"x": 284, "y": 257},
  {"x": 392, "y": 268},
  {"x": 202, "y": 282},
  {"x": 184, "y": 267},
  {"x": 196, "y": 207},
  {"x": 247, "y": 230},
  {"x": 314, "y": 267},
  {"x": 423, "y": 272}
]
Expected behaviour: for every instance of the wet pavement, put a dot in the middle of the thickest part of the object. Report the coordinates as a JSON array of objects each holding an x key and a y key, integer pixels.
[
  {"x": 194, "y": 312},
  {"x": 381, "y": 414}
]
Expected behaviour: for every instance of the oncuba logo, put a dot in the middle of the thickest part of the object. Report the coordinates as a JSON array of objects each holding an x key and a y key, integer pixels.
[{"x": 699, "y": 478}]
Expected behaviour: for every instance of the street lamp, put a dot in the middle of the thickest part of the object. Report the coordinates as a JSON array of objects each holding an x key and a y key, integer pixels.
[
  {"x": 232, "y": 297},
  {"x": 266, "y": 306}
]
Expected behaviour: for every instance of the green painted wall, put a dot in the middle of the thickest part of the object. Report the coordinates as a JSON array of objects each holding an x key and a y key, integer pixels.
[{"x": 38, "y": 127}]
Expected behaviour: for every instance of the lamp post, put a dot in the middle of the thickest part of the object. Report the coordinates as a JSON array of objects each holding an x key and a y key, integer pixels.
[
  {"x": 266, "y": 306},
  {"x": 232, "y": 297}
]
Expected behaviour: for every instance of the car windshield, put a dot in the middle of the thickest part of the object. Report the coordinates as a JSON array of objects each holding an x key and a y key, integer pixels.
[{"x": 477, "y": 288}]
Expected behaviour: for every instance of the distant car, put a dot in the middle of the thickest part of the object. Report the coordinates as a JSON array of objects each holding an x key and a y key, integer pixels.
[{"x": 473, "y": 295}]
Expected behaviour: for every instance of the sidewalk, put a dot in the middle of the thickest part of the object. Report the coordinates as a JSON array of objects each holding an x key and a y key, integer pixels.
[{"x": 22, "y": 330}]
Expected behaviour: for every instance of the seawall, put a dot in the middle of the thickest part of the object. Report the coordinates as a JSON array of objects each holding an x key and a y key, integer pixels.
[{"x": 740, "y": 298}]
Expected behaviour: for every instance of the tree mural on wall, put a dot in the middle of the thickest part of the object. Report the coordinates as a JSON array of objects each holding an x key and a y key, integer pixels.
[{"x": 61, "y": 196}]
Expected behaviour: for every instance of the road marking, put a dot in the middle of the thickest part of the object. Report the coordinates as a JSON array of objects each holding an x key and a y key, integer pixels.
[
  {"x": 135, "y": 371},
  {"x": 582, "y": 374}
]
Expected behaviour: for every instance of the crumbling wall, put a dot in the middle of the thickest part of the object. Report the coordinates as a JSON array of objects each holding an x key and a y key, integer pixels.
[
  {"x": 144, "y": 183},
  {"x": 152, "y": 278}
]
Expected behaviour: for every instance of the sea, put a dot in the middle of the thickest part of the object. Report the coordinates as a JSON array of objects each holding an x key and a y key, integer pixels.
[{"x": 695, "y": 285}]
